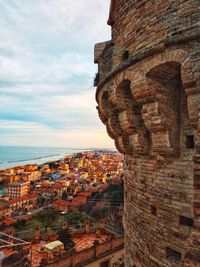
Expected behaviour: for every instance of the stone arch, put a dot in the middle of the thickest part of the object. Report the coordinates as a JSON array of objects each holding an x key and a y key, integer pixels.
[
  {"x": 165, "y": 115},
  {"x": 169, "y": 55},
  {"x": 140, "y": 89},
  {"x": 165, "y": 72},
  {"x": 123, "y": 94}
]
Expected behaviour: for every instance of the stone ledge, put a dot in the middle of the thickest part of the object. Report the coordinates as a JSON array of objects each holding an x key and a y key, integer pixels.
[{"x": 150, "y": 51}]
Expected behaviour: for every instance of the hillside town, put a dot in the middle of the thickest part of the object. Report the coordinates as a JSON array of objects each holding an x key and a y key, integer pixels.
[{"x": 82, "y": 194}]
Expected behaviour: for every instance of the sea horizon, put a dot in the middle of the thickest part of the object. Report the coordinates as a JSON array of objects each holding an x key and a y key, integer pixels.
[{"x": 12, "y": 156}]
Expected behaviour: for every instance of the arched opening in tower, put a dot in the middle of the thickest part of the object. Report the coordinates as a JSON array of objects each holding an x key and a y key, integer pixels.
[{"x": 170, "y": 127}]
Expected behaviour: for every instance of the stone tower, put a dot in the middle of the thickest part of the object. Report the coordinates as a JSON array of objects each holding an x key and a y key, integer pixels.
[{"x": 148, "y": 94}]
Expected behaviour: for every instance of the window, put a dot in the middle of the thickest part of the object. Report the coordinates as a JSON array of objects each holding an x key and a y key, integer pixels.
[
  {"x": 172, "y": 254},
  {"x": 186, "y": 221},
  {"x": 154, "y": 210},
  {"x": 105, "y": 264},
  {"x": 190, "y": 141}
]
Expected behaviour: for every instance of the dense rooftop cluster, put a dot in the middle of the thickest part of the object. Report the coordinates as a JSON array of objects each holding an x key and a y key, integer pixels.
[
  {"x": 29, "y": 187},
  {"x": 72, "y": 187}
]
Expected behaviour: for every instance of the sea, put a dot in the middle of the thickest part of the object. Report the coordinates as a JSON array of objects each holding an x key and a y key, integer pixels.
[{"x": 11, "y": 156}]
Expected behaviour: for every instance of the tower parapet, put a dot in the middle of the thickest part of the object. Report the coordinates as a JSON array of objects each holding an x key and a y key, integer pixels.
[{"x": 148, "y": 96}]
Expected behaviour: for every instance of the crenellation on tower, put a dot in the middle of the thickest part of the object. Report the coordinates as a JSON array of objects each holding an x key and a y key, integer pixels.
[{"x": 148, "y": 97}]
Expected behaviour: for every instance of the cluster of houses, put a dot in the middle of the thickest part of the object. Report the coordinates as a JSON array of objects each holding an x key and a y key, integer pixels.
[{"x": 65, "y": 184}]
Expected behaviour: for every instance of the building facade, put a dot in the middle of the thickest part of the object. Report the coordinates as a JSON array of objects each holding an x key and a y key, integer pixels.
[
  {"x": 19, "y": 189},
  {"x": 148, "y": 94}
]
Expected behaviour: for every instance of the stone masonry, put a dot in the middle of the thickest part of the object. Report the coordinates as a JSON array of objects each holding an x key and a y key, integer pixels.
[{"x": 148, "y": 94}]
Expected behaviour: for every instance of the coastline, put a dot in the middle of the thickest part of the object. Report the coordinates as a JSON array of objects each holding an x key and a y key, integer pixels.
[
  {"x": 39, "y": 160},
  {"x": 46, "y": 159}
]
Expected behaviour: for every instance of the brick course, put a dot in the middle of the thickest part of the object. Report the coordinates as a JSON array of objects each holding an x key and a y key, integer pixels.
[{"x": 149, "y": 100}]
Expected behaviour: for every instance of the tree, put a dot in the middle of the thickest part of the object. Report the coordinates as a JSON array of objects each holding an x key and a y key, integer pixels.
[
  {"x": 65, "y": 236},
  {"x": 46, "y": 217},
  {"x": 76, "y": 217}
]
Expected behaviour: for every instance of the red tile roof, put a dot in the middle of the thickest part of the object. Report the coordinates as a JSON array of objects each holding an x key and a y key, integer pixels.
[
  {"x": 62, "y": 202},
  {"x": 85, "y": 194},
  {"x": 8, "y": 221}
]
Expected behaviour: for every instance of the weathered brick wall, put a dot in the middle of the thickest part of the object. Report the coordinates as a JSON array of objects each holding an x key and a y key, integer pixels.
[
  {"x": 150, "y": 103},
  {"x": 91, "y": 255},
  {"x": 141, "y": 24},
  {"x": 105, "y": 65},
  {"x": 102, "y": 248},
  {"x": 159, "y": 193},
  {"x": 117, "y": 242},
  {"x": 83, "y": 256}
]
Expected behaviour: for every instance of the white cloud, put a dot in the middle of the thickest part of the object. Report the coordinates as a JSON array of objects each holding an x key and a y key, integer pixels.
[
  {"x": 46, "y": 70},
  {"x": 42, "y": 135}
]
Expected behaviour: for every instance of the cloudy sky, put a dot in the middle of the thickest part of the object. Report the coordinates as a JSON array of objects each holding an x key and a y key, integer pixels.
[{"x": 47, "y": 70}]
